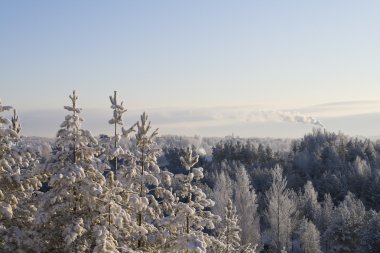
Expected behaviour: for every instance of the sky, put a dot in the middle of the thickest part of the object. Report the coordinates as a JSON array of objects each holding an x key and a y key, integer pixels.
[{"x": 212, "y": 68}]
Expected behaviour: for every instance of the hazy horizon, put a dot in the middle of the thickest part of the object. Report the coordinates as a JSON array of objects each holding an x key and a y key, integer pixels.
[{"x": 244, "y": 121}]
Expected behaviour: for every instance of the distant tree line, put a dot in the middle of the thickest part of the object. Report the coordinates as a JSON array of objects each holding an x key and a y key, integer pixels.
[{"x": 319, "y": 195}]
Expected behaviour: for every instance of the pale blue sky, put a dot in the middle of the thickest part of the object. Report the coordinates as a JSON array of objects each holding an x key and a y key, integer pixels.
[{"x": 270, "y": 55}]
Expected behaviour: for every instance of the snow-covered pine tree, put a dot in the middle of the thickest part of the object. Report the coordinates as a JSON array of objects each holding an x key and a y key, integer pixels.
[
  {"x": 18, "y": 182},
  {"x": 222, "y": 194},
  {"x": 324, "y": 219},
  {"x": 16, "y": 126},
  {"x": 346, "y": 223},
  {"x": 146, "y": 194},
  {"x": 370, "y": 233},
  {"x": 230, "y": 235},
  {"x": 116, "y": 151},
  {"x": 144, "y": 176},
  {"x": 115, "y": 222},
  {"x": 281, "y": 211},
  {"x": 118, "y": 111},
  {"x": 9, "y": 174},
  {"x": 191, "y": 215},
  {"x": 309, "y": 237},
  {"x": 309, "y": 205},
  {"x": 69, "y": 211},
  {"x": 245, "y": 200},
  {"x": 231, "y": 232}
]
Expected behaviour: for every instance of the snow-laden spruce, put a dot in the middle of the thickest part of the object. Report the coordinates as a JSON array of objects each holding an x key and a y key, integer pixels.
[
  {"x": 230, "y": 235},
  {"x": 222, "y": 194},
  {"x": 191, "y": 214},
  {"x": 245, "y": 200},
  {"x": 19, "y": 179},
  {"x": 281, "y": 211},
  {"x": 116, "y": 224},
  {"x": 348, "y": 218},
  {"x": 309, "y": 237},
  {"x": 69, "y": 213},
  {"x": 112, "y": 150},
  {"x": 143, "y": 182},
  {"x": 308, "y": 201},
  {"x": 9, "y": 166}
]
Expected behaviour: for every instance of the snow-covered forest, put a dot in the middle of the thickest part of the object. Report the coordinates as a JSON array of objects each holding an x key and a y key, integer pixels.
[{"x": 136, "y": 191}]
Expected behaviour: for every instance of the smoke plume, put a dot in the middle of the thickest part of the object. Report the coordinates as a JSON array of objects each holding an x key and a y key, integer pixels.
[{"x": 282, "y": 116}]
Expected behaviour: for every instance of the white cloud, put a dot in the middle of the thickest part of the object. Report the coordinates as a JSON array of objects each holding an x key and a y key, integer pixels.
[{"x": 343, "y": 108}]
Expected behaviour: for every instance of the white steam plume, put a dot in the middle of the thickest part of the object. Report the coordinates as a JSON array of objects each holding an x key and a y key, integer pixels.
[{"x": 281, "y": 116}]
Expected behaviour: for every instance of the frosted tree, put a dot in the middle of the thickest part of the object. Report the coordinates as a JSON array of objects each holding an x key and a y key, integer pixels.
[
  {"x": 230, "y": 235},
  {"x": 19, "y": 180},
  {"x": 344, "y": 228},
  {"x": 281, "y": 211},
  {"x": 16, "y": 126},
  {"x": 309, "y": 202},
  {"x": 231, "y": 232},
  {"x": 118, "y": 111},
  {"x": 222, "y": 193},
  {"x": 115, "y": 151},
  {"x": 68, "y": 212},
  {"x": 116, "y": 222},
  {"x": 190, "y": 216},
  {"x": 370, "y": 151},
  {"x": 145, "y": 181},
  {"x": 245, "y": 200},
  {"x": 20, "y": 234},
  {"x": 370, "y": 233},
  {"x": 9, "y": 170},
  {"x": 309, "y": 237},
  {"x": 324, "y": 219}
]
